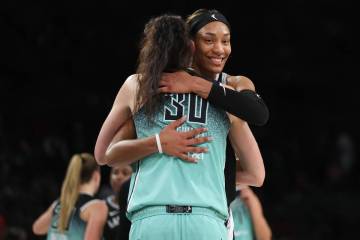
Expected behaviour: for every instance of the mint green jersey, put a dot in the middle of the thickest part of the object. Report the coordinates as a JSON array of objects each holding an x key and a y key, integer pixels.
[
  {"x": 243, "y": 227},
  {"x": 77, "y": 226},
  {"x": 160, "y": 179}
]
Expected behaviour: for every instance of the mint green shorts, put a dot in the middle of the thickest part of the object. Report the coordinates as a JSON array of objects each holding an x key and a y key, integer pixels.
[{"x": 201, "y": 224}]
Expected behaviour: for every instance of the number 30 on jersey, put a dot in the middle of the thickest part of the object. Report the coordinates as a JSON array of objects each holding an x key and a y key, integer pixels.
[{"x": 196, "y": 110}]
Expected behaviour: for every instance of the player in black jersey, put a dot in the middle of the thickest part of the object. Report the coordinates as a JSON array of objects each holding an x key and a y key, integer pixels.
[
  {"x": 210, "y": 55},
  {"x": 118, "y": 176}
]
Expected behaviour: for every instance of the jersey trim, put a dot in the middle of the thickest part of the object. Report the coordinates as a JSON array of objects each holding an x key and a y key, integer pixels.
[{"x": 83, "y": 207}]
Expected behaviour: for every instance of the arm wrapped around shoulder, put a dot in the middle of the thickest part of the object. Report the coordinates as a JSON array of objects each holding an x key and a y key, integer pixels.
[{"x": 246, "y": 104}]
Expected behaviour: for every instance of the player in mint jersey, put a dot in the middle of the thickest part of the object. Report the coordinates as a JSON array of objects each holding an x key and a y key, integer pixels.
[
  {"x": 77, "y": 214},
  {"x": 198, "y": 224},
  {"x": 77, "y": 226},
  {"x": 189, "y": 213},
  {"x": 199, "y": 113},
  {"x": 249, "y": 220},
  {"x": 181, "y": 183},
  {"x": 243, "y": 228}
]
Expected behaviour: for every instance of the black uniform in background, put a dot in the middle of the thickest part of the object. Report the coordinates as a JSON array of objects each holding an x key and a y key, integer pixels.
[
  {"x": 125, "y": 224},
  {"x": 112, "y": 226},
  {"x": 230, "y": 173}
]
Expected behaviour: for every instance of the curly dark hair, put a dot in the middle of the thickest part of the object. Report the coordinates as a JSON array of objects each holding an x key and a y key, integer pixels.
[{"x": 165, "y": 47}]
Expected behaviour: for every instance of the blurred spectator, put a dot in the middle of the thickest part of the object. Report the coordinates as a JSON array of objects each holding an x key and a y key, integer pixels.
[{"x": 345, "y": 151}]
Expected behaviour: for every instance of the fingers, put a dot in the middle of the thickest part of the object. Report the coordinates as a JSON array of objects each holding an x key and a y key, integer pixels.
[
  {"x": 171, "y": 75},
  {"x": 194, "y": 132},
  {"x": 196, "y": 149},
  {"x": 180, "y": 144},
  {"x": 163, "y": 83},
  {"x": 166, "y": 75},
  {"x": 165, "y": 79},
  {"x": 185, "y": 157},
  {"x": 163, "y": 90},
  {"x": 199, "y": 140},
  {"x": 177, "y": 123}
]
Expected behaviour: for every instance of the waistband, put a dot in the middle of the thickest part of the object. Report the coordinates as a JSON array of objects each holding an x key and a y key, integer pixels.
[{"x": 174, "y": 210}]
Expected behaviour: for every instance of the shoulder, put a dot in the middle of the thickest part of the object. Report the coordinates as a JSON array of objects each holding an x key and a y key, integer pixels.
[
  {"x": 96, "y": 203},
  {"x": 240, "y": 82},
  {"x": 86, "y": 202},
  {"x": 100, "y": 205},
  {"x": 132, "y": 80},
  {"x": 126, "y": 94},
  {"x": 51, "y": 209},
  {"x": 129, "y": 85},
  {"x": 96, "y": 208},
  {"x": 100, "y": 209}
]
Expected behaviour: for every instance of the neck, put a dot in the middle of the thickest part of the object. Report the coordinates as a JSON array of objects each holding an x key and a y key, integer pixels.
[
  {"x": 87, "y": 188},
  {"x": 206, "y": 74}
]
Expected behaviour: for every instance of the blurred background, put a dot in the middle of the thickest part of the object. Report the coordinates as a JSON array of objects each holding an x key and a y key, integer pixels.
[{"x": 62, "y": 63}]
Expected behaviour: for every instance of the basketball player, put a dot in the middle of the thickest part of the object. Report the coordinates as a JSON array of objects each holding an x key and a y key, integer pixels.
[
  {"x": 249, "y": 220},
  {"x": 184, "y": 183},
  {"x": 77, "y": 214},
  {"x": 118, "y": 176},
  {"x": 212, "y": 43}
]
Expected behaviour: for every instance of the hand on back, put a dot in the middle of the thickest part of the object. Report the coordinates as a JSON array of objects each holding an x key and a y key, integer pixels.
[{"x": 179, "y": 144}]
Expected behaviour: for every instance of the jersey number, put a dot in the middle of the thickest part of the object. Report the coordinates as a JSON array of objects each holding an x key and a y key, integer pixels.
[{"x": 195, "y": 114}]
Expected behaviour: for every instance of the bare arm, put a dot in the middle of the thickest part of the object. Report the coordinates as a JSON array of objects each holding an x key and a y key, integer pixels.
[
  {"x": 240, "y": 83},
  {"x": 42, "y": 223},
  {"x": 95, "y": 215},
  {"x": 247, "y": 150},
  {"x": 242, "y": 101},
  {"x": 183, "y": 82},
  {"x": 242, "y": 139},
  {"x": 125, "y": 147},
  {"x": 117, "y": 143},
  {"x": 262, "y": 229},
  {"x": 119, "y": 114}
]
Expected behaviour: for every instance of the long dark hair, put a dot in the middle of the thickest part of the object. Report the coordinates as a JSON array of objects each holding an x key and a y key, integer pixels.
[{"x": 165, "y": 47}]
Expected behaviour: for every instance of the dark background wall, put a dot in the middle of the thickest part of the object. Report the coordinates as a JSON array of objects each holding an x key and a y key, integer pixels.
[{"x": 63, "y": 62}]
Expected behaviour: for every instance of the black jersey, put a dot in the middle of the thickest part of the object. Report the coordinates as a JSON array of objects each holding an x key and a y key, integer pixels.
[
  {"x": 112, "y": 227},
  {"x": 230, "y": 173},
  {"x": 230, "y": 164},
  {"x": 125, "y": 223}
]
